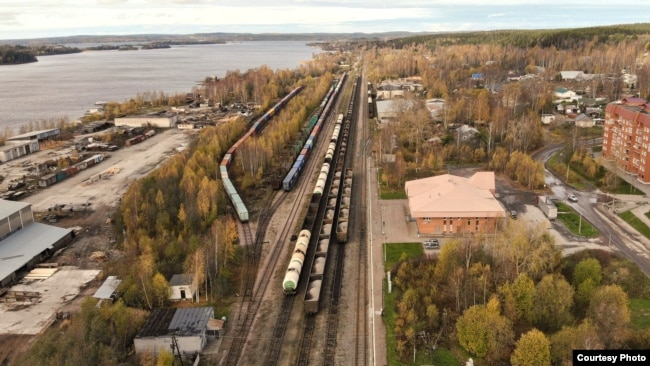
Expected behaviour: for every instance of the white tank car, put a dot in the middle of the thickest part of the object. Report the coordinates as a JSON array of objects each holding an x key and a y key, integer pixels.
[
  {"x": 290, "y": 282},
  {"x": 322, "y": 178}
]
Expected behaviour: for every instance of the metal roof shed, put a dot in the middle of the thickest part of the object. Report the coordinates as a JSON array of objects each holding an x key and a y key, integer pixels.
[{"x": 187, "y": 326}]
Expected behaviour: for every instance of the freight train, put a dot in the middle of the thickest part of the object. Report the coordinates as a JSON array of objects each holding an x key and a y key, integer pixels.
[
  {"x": 291, "y": 277},
  {"x": 231, "y": 192},
  {"x": 337, "y": 209},
  {"x": 323, "y": 113},
  {"x": 51, "y": 179}
]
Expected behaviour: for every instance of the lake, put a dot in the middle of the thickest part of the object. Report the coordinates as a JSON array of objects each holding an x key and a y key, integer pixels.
[{"x": 69, "y": 85}]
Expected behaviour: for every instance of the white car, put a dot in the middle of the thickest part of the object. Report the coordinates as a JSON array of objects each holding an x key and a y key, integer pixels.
[{"x": 573, "y": 198}]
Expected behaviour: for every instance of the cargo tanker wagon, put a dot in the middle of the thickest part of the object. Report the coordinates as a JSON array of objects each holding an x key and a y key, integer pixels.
[
  {"x": 256, "y": 128},
  {"x": 301, "y": 160},
  {"x": 292, "y": 275}
]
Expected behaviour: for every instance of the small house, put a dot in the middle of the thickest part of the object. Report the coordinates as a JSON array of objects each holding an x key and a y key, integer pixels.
[
  {"x": 584, "y": 121},
  {"x": 547, "y": 119},
  {"x": 182, "y": 287}
]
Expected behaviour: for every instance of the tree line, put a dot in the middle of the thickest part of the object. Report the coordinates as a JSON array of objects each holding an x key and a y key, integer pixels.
[
  {"x": 563, "y": 39},
  {"x": 19, "y": 54}
]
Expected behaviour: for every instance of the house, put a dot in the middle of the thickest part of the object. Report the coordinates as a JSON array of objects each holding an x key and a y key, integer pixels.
[
  {"x": 571, "y": 109},
  {"x": 565, "y": 94},
  {"x": 548, "y": 118},
  {"x": 182, "y": 287},
  {"x": 449, "y": 204},
  {"x": 436, "y": 107},
  {"x": 584, "y": 121},
  {"x": 629, "y": 80},
  {"x": 184, "y": 328},
  {"x": 572, "y": 75},
  {"x": 466, "y": 132}
]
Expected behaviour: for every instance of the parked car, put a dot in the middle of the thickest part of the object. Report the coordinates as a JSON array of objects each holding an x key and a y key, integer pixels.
[
  {"x": 573, "y": 198},
  {"x": 514, "y": 215},
  {"x": 431, "y": 244}
]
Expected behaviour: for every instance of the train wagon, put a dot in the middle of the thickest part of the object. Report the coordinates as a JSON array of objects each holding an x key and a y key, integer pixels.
[{"x": 291, "y": 277}]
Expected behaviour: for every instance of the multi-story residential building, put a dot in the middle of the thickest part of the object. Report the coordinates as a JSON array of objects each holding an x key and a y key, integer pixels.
[{"x": 626, "y": 136}]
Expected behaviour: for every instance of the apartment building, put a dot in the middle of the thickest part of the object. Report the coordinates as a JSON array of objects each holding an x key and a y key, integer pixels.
[{"x": 626, "y": 136}]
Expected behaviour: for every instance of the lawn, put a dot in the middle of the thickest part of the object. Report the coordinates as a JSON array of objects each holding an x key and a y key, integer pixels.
[
  {"x": 640, "y": 310},
  {"x": 574, "y": 222},
  {"x": 636, "y": 223},
  {"x": 394, "y": 252}
]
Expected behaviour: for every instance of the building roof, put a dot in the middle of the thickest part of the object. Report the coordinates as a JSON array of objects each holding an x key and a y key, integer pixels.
[
  {"x": 452, "y": 196},
  {"x": 181, "y": 280},
  {"x": 571, "y": 74},
  {"x": 107, "y": 289},
  {"x": 8, "y": 208},
  {"x": 36, "y": 134},
  {"x": 180, "y": 322},
  {"x": 19, "y": 248}
]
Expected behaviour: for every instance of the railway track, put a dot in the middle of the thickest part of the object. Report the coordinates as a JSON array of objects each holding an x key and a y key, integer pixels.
[
  {"x": 250, "y": 303},
  {"x": 361, "y": 331},
  {"x": 254, "y": 289},
  {"x": 286, "y": 309}
]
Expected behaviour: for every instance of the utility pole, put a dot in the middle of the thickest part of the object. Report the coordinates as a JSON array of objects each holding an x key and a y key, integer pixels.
[{"x": 175, "y": 350}]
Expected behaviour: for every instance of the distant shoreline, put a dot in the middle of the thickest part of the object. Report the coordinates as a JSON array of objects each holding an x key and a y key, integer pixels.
[{"x": 19, "y": 55}]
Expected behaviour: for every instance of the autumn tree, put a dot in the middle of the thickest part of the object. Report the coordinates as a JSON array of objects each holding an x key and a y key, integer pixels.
[
  {"x": 532, "y": 349},
  {"x": 484, "y": 332},
  {"x": 552, "y": 315},
  {"x": 582, "y": 336},
  {"x": 610, "y": 313},
  {"x": 160, "y": 290},
  {"x": 587, "y": 276}
]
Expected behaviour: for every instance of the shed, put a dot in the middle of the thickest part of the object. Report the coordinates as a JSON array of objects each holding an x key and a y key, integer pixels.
[
  {"x": 185, "y": 327},
  {"x": 182, "y": 287},
  {"x": 107, "y": 289}
]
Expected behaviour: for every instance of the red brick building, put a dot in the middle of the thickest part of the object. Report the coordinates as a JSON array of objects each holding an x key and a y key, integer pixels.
[
  {"x": 449, "y": 205},
  {"x": 626, "y": 136}
]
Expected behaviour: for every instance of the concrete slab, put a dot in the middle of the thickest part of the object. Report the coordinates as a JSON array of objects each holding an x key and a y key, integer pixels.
[{"x": 31, "y": 317}]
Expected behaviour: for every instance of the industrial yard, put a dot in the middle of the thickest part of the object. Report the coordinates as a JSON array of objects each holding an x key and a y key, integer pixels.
[{"x": 84, "y": 202}]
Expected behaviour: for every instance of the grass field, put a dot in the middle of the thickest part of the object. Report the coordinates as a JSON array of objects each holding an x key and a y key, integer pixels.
[
  {"x": 636, "y": 223},
  {"x": 640, "y": 310},
  {"x": 574, "y": 222}
]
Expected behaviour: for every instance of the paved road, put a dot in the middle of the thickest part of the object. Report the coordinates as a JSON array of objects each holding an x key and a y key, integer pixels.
[{"x": 615, "y": 232}]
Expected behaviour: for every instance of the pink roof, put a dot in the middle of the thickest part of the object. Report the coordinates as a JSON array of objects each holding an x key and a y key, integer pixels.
[{"x": 452, "y": 196}]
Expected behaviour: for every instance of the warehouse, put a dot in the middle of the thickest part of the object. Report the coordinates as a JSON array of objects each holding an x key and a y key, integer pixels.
[
  {"x": 37, "y": 135},
  {"x": 161, "y": 120},
  {"x": 15, "y": 149},
  {"x": 451, "y": 205},
  {"x": 23, "y": 242},
  {"x": 185, "y": 328}
]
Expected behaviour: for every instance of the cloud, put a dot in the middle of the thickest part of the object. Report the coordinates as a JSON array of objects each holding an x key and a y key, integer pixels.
[
  {"x": 496, "y": 15},
  {"x": 8, "y": 18}
]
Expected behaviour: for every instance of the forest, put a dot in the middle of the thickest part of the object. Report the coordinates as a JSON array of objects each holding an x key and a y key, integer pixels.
[
  {"x": 17, "y": 54},
  {"x": 178, "y": 218},
  {"x": 489, "y": 298}
]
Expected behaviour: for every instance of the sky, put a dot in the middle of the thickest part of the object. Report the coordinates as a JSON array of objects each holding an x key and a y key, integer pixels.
[{"x": 21, "y": 19}]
